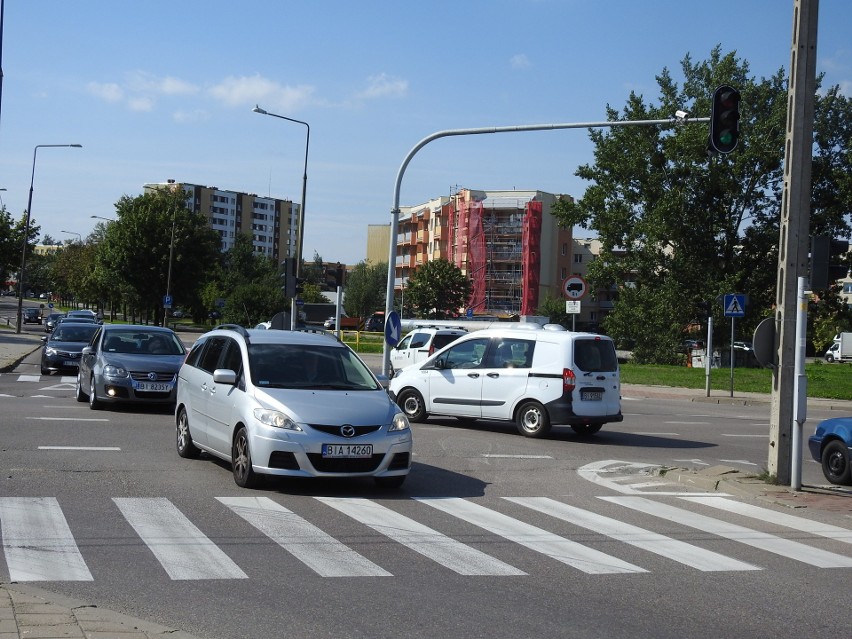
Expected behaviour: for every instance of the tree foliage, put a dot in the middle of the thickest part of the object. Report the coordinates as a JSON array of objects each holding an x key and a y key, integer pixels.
[
  {"x": 366, "y": 287},
  {"x": 136, "y": 248},
  {"x": 11, "y": 241},
  {"x": 680, "y": 226},
  {"x": 438, "y": 289}
]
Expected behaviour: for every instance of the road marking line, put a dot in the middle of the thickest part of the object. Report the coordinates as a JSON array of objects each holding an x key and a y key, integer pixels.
[
  {"x": 495, "y": 456},
  {"x": 181, "y": 548},
  {"x": 569, "y": 552},
  {"x": 318, "y": 550},
  {"x": 79, "y": 448},
  {"x": 448, "y": 552},
  {"x": 38, "y": 543},
  {"x": 639, "y": 432},
  {"x": 738, "y": 461},
  {"x": 748, "y": 536},
  {"x": 680, "y": 551},
  {"x": 29, "y": 378},
  {"x": 69, "y": 419},
  {"x": 782, "y": 519},
  {"x": 745, "y": 435}
]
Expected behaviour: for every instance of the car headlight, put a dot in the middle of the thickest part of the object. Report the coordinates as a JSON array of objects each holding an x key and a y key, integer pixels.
[
  {"x": 50, "y": 351},
  {"x": 114, "y": 371},
  {"x": 275, "y": 418},
  {"x": 400, "y": 422}
]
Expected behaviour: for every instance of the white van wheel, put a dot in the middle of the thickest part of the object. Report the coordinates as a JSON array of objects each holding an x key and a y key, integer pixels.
[
  {"x": 412, "y": 404},
  {"x": 532, "y": 420},
  {"x": 586, "y": 429}
]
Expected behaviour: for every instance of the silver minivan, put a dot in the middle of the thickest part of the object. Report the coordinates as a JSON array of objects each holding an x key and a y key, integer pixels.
[{"x": 534, "y": 376}]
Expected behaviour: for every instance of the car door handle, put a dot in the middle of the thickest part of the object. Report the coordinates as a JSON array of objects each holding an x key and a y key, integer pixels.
[
  {"x": 493, "y": 375},
  {"x": 473, "y": 375}
]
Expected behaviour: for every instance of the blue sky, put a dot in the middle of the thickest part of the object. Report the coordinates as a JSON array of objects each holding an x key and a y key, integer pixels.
[{"x": 160, "y": 89}]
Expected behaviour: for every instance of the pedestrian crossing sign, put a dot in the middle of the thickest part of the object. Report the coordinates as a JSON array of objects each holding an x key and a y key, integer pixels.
[{"x": 734, "y": 305}]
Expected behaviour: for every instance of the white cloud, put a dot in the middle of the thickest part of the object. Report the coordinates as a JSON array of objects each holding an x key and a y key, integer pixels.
[
  {"x": 382, "y": 85},
  {"x": 110, "y": 91},
  {"x": 147, "y": 83},
  {"x": 140, "y": 103},
  {"x": 249, "y": 90},
  {"x": 519, "y": 61}
]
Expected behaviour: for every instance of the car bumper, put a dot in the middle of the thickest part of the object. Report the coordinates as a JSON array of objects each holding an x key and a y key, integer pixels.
[
  {"x": 815, "y": 447},
  {"x": 120, "y": 390},
  {"x": 274, "y": 455}
]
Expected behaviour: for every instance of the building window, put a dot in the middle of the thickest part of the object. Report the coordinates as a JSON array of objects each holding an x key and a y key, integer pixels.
[
  {"x": 564, "y": 273},
  {"x": 578, "y": 258},
  {"x": 564, "y": 248}
]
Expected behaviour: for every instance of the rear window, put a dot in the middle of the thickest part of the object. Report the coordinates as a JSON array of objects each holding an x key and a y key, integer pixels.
[
  {"x": 595, "y": 355},
  {"x": 442, "y": 340}
]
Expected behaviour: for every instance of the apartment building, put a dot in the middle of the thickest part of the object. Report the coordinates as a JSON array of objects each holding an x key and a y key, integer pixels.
[
  {"x": 506, "y": 242},
  {"x": 272, "y": 224}
]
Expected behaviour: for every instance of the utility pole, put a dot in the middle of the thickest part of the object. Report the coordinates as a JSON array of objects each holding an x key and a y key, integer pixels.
[{"x": 795, "y": 226}]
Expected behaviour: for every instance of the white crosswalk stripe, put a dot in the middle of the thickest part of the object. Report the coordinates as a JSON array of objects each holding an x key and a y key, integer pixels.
[
  {"x": 569, "y": 552},
  {"x": 37, "y": 541},
  {"x": 448, "y": 552},
  {"x": 310, "y": 545},
  {"x": 180, "y": 547},
  {"x": 39, "y": 545},
  {"x": 763, "y": 541},
  {"x": 705, "y": 560}
]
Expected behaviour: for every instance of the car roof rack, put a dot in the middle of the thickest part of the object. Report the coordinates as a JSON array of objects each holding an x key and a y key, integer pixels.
[
  {"x": 319, "y": 331},
  {"x": 233, "y": 327}
]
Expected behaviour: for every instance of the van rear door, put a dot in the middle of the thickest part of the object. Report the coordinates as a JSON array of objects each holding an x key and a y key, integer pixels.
[{"x": 598, "y": 387}]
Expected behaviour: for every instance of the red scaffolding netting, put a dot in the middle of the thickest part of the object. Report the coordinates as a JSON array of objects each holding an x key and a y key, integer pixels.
[
  {"x": 477, "y": 257},
  {"x": 531, "y": 261}
]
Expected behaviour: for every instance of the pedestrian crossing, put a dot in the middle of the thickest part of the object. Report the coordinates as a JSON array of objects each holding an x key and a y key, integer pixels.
[{"x": 38, "y": 542}]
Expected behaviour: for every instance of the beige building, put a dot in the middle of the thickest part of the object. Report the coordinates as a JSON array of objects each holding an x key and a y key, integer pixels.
[{"x": 272, "y": 224}]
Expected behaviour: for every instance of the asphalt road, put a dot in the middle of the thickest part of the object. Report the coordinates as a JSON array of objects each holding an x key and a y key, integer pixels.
[{"x": 493, "y": 535}]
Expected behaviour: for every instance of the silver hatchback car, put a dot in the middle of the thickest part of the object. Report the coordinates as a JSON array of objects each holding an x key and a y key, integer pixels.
[{"x": 289, "y": 403}]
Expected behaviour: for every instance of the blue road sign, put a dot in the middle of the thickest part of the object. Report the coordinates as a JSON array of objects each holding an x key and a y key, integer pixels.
[
  {"x": 734, "y": 305},
  {"x": 167, "y": 301},
  {"x": 393, "y": 329}
]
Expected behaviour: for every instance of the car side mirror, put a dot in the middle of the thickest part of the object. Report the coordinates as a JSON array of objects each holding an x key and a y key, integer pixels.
[
  {"x": 88, "y": 350},
  {"x": 225, "y": 376},
  {"x": 44, "y": 339}
]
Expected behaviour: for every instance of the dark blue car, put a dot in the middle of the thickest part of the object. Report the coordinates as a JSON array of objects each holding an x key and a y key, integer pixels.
[{"x": 830, "y": 445}]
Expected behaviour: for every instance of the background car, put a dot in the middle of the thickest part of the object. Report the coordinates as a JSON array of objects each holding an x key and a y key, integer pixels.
[
  {"x": 62, "y": 348},
  {"x": 31, "y": 315},
  {"x": 830, "y": 445},
  {"x": 290, "y": 403},
  {"x": 84, "y": 313},
  {"x": 50, "y": 321},
  {"x": 129, "y": 363},
  {"x": 420, "y": 344}
]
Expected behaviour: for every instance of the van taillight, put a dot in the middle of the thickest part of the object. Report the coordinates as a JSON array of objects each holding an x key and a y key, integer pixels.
[
  {"x": 431, "y": 350},
  {"x": 568, "y": 380}
]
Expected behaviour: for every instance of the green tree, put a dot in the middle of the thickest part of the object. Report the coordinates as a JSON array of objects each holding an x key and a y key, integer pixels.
[
  {"x": 553, "y": 308},
  {"x": 438, "y": 290},
  {"x": 250, "y": 285},
  {"x": 136, "y": 248},
  {"x": 11, "y": 242},
  {"x": 679, "y": 226},
  {"x": 366, "y": 285}
]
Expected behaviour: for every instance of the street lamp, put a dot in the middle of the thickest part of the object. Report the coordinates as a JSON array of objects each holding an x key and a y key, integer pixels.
[
  {"x": 79, "y": 237},
  {"x": 101, "y": 217},
  {"x": 27, "y": 230},
  {"x": 301, "y": 235}
]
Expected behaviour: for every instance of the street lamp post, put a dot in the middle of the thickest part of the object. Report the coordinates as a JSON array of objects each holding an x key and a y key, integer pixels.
[
  {"x": 169, "y": 275},
  {"x": 79, "y": 237},
  {"x": 101, "y": 217},
  {"x": 301, "y": 236},
  {"x": 27, "y": 230}
]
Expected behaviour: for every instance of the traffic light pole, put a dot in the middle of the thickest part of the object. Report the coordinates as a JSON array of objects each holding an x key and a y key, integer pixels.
[{"x": 794, "y": 229}]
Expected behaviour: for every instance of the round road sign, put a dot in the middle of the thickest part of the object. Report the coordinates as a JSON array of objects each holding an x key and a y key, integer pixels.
[{"x": 574, "y": 287}]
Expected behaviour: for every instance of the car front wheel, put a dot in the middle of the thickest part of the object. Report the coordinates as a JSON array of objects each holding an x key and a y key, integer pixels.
[
  {"x": 412, "y": 404},
  {"x": 79, "y": 393},
  {"x": 94, "y": 404},
  {"x": 244, "y": 476},
  {"x": 835, "y": 463},
  {"x": 185, "y": 446}
]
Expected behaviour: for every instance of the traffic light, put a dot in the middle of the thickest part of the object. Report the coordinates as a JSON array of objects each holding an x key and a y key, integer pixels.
[
  {"x": 725, "y": 119},
  {"x": 288, "y": 277},
  {"x": 827, "y": 261}
]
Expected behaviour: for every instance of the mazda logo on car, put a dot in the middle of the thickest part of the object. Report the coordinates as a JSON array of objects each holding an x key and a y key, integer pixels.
[{"x": 347, "y": 430}]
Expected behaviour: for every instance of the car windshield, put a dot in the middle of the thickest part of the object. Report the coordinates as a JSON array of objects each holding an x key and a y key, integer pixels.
[
  {"x": 308, "y": 367},
  {"x": 142, "y": 342},
  {"x": 73, "y": 333}
]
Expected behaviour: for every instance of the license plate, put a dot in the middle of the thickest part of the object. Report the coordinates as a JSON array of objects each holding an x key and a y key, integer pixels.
[
  {"x": 347, "y": 450},
  {"x": 591, "y": 396},
  {"x": 72, "y": 363},
  {"x": 152, "y": 387}
]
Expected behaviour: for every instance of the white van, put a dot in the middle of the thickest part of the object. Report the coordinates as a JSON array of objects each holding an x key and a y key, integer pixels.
[{"x": 532, "y": 375}]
